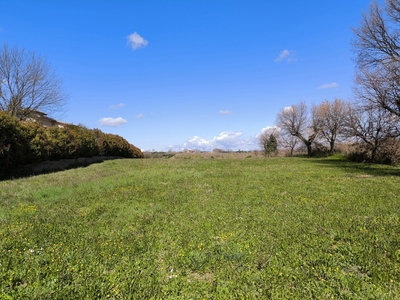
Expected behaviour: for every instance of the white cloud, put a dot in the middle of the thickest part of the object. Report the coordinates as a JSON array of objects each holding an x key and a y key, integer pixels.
[
  {"x": 225, "y": 112},
  {"x": 119, "y": 105},
  {"x": 136, "y": 41},
  {"x": 113, "y": 122},
  {"x": 269, "y": 128},
  {"x": 139, "y": 116},
  {"x": 288, "y": 108},
  {"x": 287, "y": 55},
  {"x": 328, "y": 86},
  {"x": 225, "y": 140}
]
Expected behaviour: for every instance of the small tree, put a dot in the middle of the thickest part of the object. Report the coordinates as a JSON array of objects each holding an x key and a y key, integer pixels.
[
  {"x": 256, "y": 152},
  {"x": 268, "y": 141},
  {"x": 272, "y": 145},
  {"x": 27, "y": 83}
]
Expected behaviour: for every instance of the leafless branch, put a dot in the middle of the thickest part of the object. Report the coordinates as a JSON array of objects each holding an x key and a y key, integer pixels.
[{"x": 27, "y": 83}]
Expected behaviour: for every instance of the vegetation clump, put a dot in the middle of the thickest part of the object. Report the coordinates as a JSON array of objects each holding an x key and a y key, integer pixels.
[{"x": 30, "y": 142}]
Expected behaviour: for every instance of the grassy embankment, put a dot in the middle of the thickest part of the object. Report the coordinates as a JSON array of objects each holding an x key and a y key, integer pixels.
[{"x": 205, "y": 228}]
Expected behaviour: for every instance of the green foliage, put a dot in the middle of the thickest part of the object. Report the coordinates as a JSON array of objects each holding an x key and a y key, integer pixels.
[
  {"x": 272, "y": 145},
  {"x": 282, "y": 228},
  {"x": 59, "y": 143},
  {"x": 114, "y": 145},
  {"x": 36, "y": 136},
  {"x": 30, "y": 142},
  {"x": 84, "y": 141},
  {"x": 12, "y": 142}
]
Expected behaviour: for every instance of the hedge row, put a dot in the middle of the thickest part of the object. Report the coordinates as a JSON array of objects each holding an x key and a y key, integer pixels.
[{"x": 30, "y": 142}]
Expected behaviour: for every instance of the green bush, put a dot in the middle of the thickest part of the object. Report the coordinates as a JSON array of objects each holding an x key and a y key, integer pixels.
[
  {"x": 30, "y": 142},
  {"x": 35, "y": 134},
  {"x": 60, "y": 143},
  {"x": 84, "y": 141},
  {"x": 13, "y": 145},
  {"x": 114, "y": 145}
]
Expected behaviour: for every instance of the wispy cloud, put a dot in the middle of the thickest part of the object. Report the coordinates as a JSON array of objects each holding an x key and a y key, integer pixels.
[
  {"x": 136, "y": 41},
  {"x": 286, "y": 55},
  {"x": 225, "y": 112},
  {"x": 119, "y": 105},
  {"x": 139, "y": 116},
  {"x": 328, "y": 86},
  {"x": 112, "y": 122}
]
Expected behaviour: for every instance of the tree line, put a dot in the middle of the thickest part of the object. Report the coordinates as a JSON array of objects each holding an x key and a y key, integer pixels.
[
  {"x": 370, "y": 123},
  {"x": 371, "y": 133}
]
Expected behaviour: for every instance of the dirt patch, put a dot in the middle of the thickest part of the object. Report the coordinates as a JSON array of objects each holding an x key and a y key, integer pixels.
[
  {"x": 363, "y": 176},
  {"x": 200, "y": 277}
]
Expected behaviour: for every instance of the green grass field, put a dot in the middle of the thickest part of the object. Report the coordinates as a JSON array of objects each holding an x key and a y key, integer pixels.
[{"x": 278, "y": 228}]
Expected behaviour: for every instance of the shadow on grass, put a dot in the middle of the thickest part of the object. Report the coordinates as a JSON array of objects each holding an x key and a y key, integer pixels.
[
  {"x": 53, "y": 166},
  {"x": 359, "y": 169}
]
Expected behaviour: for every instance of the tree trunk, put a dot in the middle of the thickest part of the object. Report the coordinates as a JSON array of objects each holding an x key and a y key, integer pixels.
[
  {"x": 332, "y": 146},
  {"x": 373, "y": 154},
  {"x": 309, "y": 150}
]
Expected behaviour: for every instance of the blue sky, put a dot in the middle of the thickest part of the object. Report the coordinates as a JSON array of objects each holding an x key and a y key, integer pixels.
[{"x": 188, "y": 74}]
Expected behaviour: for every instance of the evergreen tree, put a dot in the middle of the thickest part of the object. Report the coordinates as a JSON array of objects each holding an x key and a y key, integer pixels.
[{"x": 272, "y": 145}]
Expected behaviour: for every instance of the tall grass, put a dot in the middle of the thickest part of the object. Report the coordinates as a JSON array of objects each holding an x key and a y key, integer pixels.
[{"x": 203, "y": 229}]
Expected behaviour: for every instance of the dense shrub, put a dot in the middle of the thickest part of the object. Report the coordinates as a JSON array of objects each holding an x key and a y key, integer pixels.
[
  {"x": 345, "y": 148},
  {"x": 388, "y": 152},
  {"x": 320, "y": 150},
  {"x": 59, "y": 143},
  {"x": 114, "y": 145},
  {"x": 12, "y": 142},
  {"x": 84, "y": 141},
  {"x": 36, "y": 137},
  {"x": 30, "y": 142}
]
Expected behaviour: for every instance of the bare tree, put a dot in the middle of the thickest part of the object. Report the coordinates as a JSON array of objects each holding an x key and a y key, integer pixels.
[
  {"x": 288, "y": 141},
  {"x": 377, "y": 46},
  {"x": 377, "y": 39},
  {"x": 371, "y": 126},
  {"x": 329, "y": 117},
  {"x": 28, "y": 83},
  {"x": 256, "y": 152},
  {"x": 295, "y": 121},
  {"x": 380, "y": 87}
]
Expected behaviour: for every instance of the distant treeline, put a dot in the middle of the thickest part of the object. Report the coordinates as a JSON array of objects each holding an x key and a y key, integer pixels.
[{"x": 30, "y": 142}]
